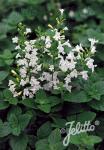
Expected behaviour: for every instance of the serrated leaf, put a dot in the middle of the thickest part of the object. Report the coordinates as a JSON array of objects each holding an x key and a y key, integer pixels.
[
  {"x": 44, "y": 130},
  {"x": 77, "y": 97},
  {"x": 19, "y": 143},
  {"x": 29, "y": 103},
  {"x": 4, "y": 129}
]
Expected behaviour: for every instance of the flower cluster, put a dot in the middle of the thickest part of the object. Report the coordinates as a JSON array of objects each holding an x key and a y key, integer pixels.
[{"x": 50, "y": 62}]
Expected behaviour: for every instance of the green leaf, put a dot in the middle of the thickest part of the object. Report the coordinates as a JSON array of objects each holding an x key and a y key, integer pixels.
[
  {"x": 53, "y": 100},
  {"x": 98, "y": 105},
  {"x": 14, "y": 18},
  {"x": 96, "y": 90},
  {"x": 9, "y": 97},
  {"x": 46, "y": 108},
  {"x": 19, "y": 143},
  {"x": 58, "y": 122},
  {"x": 14, "y": 110},
  {"x": 85, "y": 139},
  {"x": 14, "y": 124},
  {"x": 44, "y": 130},
  {"x": 54, "y": 137},
  {"x": 55, "y": 141},
  {"x": 3, "y": 105},
  {"x": 42, "y": 145},
  {"x": 77, "y": 97},
  {"x": 4, "y": 129},
  {"x": 24, "y": 120},
  {"x": 28, "y": 103},
  {"x": 86, "y": 116},
  {"x": 3, "y": 75},
  {"x": 41, "y": 97},
  {"x": 18, "y": 122}
]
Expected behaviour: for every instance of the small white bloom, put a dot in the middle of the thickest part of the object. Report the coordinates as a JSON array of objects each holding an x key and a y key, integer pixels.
[
  {"x": 26, "y": 92},
  {"x": 17, "y": 47},
  {"x": 78, "y": 48},
  {"x": 60, "y": 48},
  {"x": 71, "y": 65},
  {"x": 65, "y": 28},
  {"x": 93, "y": 41},
  {"x": 84, "y": 74},
  {"x": 63, "y": 65},
  {"x": 57, "y": 35},
  {"x": 51, "y": 67},
  {"x": 74, "y": 73},
  {"x": 71, "y": 13},
  {"x": 23, "y": 72},
  {"x": 67, "y": 43},
  {"x": 15, "y": 39},
  {"x": 48, "y": 42},
  {"x": 28, "y": 30},
  {"x": 61, "y": 10},
  {"x": 90, "y": 64},
  {"x": 85, "y": 11},
  {"x": 68, "y": 87},
  {"x": 45, "y": 17},
  {"x": 18, "y": 55},
  {"x": 68, "y": 79},
  {"x": 11, "y": 82},
  {"x": 93, "y": 49},
  {"x": 71, "y": 56}
]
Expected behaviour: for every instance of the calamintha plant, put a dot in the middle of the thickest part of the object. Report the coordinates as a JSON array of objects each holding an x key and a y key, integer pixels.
[
  {"x": 49, "y": 62},
  {"x": 49, "y": 72}
]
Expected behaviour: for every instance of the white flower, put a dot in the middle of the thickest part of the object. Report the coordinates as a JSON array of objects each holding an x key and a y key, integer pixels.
[
  {"x": 22, "y": 62},
  {"x": 18, "y": 55},
  {"x": 11, "y": 82},
  {"x": 67, "y": 43},
  {"x": 24, "y": 82},
  {"x": 47, "y": 76},
  {"x": 68, "y": 79},
  {"x": 84, "y": 74},
  {"x": 23, "y": 72},
  {"x": 45, "y": 17},
  {"x": 71, "y": 65},
  {"x": 68, "y": 87},
  {"x": 15, "y": 39},
  {"x": 70, "y": 56},
  {"x": 51, "y": 67},
  {"x": 48, "y": 42},
  {"x": 90, "y": 64},
  {"x": 17, "y": 47},
  {"x": 63, "y": 65},
  {"x": 57, "y": 35},
  {"x": 74, "y": 73},
  {"x": 26, "y": 92},
  {"x": 71, "y": 13},
  {"x": 28, "y": 30},
  {"x": 60, "y": 48},
  {"x": 85, "y": 10},
  {"x": 61, "y": 10},
  {"x": 12, "y": 88},
  {"x": 93, "y": 49},
  {"x": 42, "y": 38},
  {"x": 93, "y": 41},
  {"x": 65, "y": 28},
  {"x": 78, "y": 48}
]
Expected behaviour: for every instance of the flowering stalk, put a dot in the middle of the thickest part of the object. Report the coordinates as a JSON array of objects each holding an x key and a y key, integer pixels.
[{"x": 49, "y": 62}]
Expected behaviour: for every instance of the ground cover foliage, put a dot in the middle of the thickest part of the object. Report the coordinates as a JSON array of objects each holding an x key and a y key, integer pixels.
[{"x": 29, "y": 124}]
